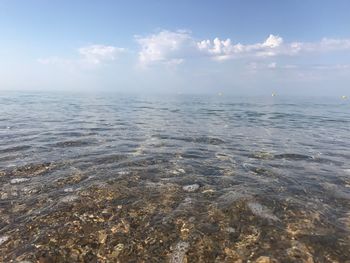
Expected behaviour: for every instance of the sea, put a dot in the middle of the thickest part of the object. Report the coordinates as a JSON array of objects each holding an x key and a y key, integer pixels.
[{"x": 173, "y": 178}]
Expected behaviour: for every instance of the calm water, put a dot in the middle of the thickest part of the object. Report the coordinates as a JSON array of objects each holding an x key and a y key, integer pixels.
[{"x": 174, "y": 179}]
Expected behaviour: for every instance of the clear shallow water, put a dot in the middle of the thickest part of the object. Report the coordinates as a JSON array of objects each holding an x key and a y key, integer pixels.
[{"x": 104, "y": 178}]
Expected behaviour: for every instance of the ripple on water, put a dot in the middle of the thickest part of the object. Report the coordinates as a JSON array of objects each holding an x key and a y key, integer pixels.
[
  {"x": 215, "y": 182},
  {"x": 293, "y": 157},
  {"x": 18, "y": 148},
  {"x": 76, "y": 143}
]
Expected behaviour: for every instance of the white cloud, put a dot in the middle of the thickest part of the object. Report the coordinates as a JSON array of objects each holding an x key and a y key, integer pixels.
[
  {"x": 97, "y": 54},
  {"x": 90, "y": 56},
  {"x": 224, "y": 49},
  {"x": 325, "y": 45},
  {"x": 335, "y": 44},
  {"x": 272, "y": 41},
  {"x": 165, "y": 47},
  {"x": 254, "y": 66},
  {"x": 168, "y": 47},
  {"x": 174, "y": 47}
]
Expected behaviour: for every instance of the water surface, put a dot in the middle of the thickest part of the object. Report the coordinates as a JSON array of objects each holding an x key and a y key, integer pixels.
[{"x": 174, "y": 178}]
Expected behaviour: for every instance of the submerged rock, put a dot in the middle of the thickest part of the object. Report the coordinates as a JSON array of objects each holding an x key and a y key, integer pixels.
[
  {"x": 19, "y": 180},
  {"x": 179, "y": 253},
  {"x": 336, "y": 191},
  {"x": 262, "y": 211},
  {"x": 191, "y": 188},
  {"x": 229, "y": 198}
]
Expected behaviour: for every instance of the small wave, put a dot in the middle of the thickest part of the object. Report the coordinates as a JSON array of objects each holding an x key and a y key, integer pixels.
[
  {"x": 145, "y": 161},
  {"x": 114, "y": 158},
  {"x": 200, "y": 139},
  {"x": 293, "y": 156},
  {"x": 15, "y": 149},
  {"x": 328, "y": 161},
  {"x": 203, "y": 140},
  {"x": 102, "y": 129},
  {"x": 75, "y": 134},
  {"x": 193, "y": 154},
  {"x": 79, "y": 143}
]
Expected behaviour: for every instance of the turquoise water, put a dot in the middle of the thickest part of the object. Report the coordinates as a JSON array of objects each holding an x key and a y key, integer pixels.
[{"x": 174, "y": 178}]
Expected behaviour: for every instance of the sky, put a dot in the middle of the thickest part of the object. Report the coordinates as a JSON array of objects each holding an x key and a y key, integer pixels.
[{"x": 184, "y": 46}]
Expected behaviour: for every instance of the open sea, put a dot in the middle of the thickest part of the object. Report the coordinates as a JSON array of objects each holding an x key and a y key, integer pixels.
[{"x": 126, "y": 178}]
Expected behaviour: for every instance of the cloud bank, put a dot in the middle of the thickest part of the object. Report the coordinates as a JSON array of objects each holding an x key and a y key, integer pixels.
[{"x": 177, "y": 46}]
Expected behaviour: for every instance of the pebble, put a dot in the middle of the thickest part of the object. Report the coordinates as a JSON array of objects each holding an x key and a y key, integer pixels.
[
  {"x": 117, "y": 250},
  {"x": 191, "y": 188},
  {"x": 3, "y": 239},
  {"x": 230, "y": 230},
  {"x": 69, "y": 198},
  {"x": 179, "y": 253},
  {"x": 263, "y": 259},
  {"x": 19, "y": 180},
  {"x": 179, "y": 171},
  {"x": 4, "y": 196},
  {"x": 208, "y": 191},
  {"x": 30, "y": 190},
  {"x": 68, "y": 190},
  {"x": 123, "y": 173}
]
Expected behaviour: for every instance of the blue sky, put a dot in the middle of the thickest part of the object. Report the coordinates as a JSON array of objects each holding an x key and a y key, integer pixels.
[{"x": 238, "y": 47}]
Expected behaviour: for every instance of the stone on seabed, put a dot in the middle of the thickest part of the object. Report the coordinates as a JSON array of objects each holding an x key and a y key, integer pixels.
[
  {"x": 264, "y": 259},
  {"x": 69, "y": 198},
  {"x": 191, "y": 187},
  {"x": 179, "y": 253},
  {"x": 19, "y": 180},
  {"x": 3, "y": 239}
]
